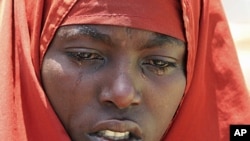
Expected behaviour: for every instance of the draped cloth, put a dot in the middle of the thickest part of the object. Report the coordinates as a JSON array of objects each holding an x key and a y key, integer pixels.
[{"x": 215, "y": 94}]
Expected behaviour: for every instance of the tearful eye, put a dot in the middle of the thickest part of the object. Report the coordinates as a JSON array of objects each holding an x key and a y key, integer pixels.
[
  {"x": 158, "y": 63},
  {"x": 81, "y": 56},
  {"x": 158, "y": 66},
  {"x": 86, "y": 59}
]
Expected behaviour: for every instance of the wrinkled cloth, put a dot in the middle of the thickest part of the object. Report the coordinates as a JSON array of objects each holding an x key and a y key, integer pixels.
[{"x": 215, "y": 95}]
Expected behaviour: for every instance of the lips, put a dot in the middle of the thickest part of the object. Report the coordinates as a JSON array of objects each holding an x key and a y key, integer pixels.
[{"x": 116, "y": 130}]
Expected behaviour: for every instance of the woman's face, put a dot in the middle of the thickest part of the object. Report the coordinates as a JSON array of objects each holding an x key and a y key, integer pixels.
[{"x": 110, "y": 83}]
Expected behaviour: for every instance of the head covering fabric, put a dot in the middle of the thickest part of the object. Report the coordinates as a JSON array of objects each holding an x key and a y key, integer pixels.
[
  {"x": 215, "y": 95},
  {"x": 158, "y": 16}
]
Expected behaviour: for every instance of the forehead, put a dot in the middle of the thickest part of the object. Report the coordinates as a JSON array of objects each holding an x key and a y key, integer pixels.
[
  {"x": 95, "y": 30},
  {"x": 108, "y": 33}
]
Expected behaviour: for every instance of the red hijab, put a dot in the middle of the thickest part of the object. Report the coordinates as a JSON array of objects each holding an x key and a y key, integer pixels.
[{"x": 215, "y": 94}]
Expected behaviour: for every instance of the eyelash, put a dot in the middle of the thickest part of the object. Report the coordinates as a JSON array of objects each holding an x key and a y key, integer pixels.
[
  {"x": 159, "y": 67},
  {"x": 85, "y": 56}
]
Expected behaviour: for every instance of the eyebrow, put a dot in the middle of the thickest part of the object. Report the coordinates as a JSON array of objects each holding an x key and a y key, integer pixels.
[
  {"x": 84, "y": 30},
  {"x": 162, "y": 39}
]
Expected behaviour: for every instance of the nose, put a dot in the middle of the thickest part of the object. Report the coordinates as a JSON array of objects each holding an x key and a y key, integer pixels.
[{"x": 121, "y": 92}]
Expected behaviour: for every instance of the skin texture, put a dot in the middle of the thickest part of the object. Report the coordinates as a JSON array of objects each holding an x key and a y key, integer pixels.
[{"x": 128, "y": 79}]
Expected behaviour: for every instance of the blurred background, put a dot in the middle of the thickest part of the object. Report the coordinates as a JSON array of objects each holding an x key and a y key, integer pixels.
[{"x": 238, "y": 15}]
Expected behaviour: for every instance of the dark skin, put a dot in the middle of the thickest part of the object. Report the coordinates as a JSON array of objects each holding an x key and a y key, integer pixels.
[{"x": 111, "y": 82}]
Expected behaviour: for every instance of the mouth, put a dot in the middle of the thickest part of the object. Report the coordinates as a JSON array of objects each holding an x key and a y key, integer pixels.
[{"x": 116, "y": 130}]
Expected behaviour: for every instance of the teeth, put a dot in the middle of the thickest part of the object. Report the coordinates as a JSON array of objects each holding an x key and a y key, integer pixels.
[{"x": 114, "y": 135}]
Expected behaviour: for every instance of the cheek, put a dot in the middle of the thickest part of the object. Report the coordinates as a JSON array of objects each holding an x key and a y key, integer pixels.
[
  {"x": 164, "y": 99},
  {"x": 66, "y": 88},
  {"x": 58, "y": 82},
  {"x": 54, "y": 76}
]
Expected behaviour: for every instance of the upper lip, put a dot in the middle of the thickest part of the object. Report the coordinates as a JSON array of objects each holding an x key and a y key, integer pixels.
[{"x": 118, "y": 126}]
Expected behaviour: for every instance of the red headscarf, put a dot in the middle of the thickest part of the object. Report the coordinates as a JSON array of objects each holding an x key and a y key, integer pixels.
[{"x": 215, "y": 94}]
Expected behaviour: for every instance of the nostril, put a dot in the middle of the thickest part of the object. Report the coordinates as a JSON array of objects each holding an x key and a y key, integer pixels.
[
  {"x": 120, "y": 98},
  {"x": 120, "y": 102}
]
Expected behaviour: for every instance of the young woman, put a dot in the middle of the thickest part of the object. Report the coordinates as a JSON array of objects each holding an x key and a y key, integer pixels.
[{"x": 118, "y": 70}]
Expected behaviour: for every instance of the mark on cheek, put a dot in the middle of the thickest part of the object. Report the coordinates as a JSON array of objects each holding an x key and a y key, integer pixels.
[
  {"x": 79, "y": 77},
  {"x": 51, "y": 65}
]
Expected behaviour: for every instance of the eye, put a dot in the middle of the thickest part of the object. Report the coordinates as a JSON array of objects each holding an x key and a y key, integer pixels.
[
  {"x": 85, "y": 57},
  {"x": 81, "y": 56},
  {"x": 158, "y": 63},
  {"x": 158, "y": 66}
]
